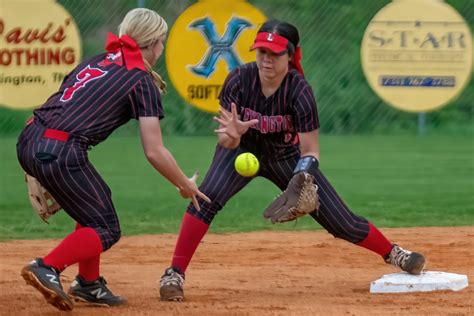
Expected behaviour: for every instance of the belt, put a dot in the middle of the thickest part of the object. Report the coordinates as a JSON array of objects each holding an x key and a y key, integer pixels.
[{"x": 52, "y": 133}]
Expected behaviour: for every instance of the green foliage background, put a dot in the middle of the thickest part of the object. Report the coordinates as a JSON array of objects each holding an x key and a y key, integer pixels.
[
  {"x": 394, "y": 181},
  {"x": 370, "y": 151},
  {"x": 331, "y": 32}
]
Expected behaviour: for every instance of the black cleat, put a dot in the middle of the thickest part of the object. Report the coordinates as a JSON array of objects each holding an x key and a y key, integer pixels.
[
  {"x": 171, "y": 285},
  {"x": 411, "y": 262},
  {"x": 94, "y": 292},
  {"x": 46, "y": 280}
]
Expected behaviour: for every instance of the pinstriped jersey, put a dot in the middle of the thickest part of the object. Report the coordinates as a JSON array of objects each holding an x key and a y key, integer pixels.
[
  {"x": 97, "y": 97},
  {"x": 290, "y": 110}
]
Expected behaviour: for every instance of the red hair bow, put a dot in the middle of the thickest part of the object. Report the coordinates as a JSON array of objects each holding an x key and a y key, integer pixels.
[{"x": 129, "y": 49}]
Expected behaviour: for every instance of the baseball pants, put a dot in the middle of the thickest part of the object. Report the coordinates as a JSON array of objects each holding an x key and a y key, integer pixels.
[
  {"x": 63, "y": 168},
  {"x": 222, "y": 182}
]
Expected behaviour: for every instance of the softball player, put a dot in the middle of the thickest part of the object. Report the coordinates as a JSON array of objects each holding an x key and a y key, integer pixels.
[
  {"x": 97, "y": 97},
  {"x": 278, "y": 122}
]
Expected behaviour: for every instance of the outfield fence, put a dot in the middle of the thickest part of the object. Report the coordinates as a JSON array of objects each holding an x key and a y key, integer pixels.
[{"x": 331, "y": 34}]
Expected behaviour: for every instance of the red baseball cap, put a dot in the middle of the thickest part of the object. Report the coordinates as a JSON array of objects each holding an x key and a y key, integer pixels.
[{"x": 274, "y": 42}]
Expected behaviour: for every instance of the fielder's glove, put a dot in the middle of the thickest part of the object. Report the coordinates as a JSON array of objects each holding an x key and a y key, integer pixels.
[
  {"x": 299, "y": 198},
  {"x": 41, "y": 200}
]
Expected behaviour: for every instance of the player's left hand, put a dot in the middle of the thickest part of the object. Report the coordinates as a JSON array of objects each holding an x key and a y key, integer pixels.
[
  {"x": 231, "y": 124},
  {"x": 42, "y": 201},
  {"x": 193, "y": 179},
  {"x": 191, "y": 191},
  {"x": 299, "y": 198}
]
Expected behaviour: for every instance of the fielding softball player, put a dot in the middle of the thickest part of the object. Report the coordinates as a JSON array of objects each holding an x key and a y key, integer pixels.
[
  {"x": 269, "y": 109},
  {"x": 97, "y": 97}
]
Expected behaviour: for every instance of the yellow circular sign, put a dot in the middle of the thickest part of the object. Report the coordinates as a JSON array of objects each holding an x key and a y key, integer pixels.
[
  {"x": 417, "y": 54},
  {"x": 39, "y": 45},
  {"x": 207, "y": 41}
]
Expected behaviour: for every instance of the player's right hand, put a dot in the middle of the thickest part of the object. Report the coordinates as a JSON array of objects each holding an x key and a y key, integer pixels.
[
  {"x": 231, "y": 124},
  {"x": 190, "y": 190}
]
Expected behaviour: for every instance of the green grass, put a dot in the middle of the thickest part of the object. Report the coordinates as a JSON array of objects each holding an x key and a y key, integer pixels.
[{"x": 394, "y": 181}]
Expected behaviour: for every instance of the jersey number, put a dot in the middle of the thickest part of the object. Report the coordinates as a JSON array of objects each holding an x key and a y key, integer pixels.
[{"x": 86, "y": 75}]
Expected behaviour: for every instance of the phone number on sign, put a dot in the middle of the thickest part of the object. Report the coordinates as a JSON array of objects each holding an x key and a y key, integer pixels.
[{"x": 418, "y": 81}]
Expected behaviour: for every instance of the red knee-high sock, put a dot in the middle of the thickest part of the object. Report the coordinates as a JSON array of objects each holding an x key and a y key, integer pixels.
[
  {"x": 82, "y": 244},
  {"x": 89, "y": 269},
  {"x": 191, "y": 233},
  {"x": 376, "y": 242}
]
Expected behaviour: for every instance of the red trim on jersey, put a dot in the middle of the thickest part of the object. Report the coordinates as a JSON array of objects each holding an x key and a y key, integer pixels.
[
  {"x": 30, "y": 120},
  {"x": 56, "y": 134},
  {"x": 129, "y": 48},
  {"x": 296, "y": 140},
  {"x": 274, "y": 42}
]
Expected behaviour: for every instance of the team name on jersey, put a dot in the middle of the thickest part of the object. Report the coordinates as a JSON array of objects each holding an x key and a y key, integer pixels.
[{"x": 269, "y": 123}]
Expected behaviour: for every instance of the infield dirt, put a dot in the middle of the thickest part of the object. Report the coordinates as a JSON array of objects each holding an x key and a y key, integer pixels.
[{"x": 261, "y": 273}]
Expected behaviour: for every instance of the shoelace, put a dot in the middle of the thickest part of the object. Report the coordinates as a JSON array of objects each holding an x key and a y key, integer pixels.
[
  {"x": 401, "y": 256},
  {"x": 103, "y": 285},
  {"x": 102, "y": 281},
  {"x": 172, "y": 278},
  {"x": 99, "y": 283}
]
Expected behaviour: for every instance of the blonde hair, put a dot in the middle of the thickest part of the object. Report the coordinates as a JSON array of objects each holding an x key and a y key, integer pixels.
[{"x": 145, "y": 27}]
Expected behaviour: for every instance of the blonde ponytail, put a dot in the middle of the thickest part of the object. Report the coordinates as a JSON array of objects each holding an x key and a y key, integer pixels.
[
  {"x": 145, "y": 27},
  {"x": 160, "y": 83}
]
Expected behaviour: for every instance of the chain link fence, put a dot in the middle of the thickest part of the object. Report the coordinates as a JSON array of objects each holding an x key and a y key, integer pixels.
[{"x": 331, "y": 33}]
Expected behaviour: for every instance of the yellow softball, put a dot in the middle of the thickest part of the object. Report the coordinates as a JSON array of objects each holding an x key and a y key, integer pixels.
[{"x": 246, "y": 164}]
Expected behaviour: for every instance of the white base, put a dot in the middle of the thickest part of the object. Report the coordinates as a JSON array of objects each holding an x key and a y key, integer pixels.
[{"x": 426, "y": 282}]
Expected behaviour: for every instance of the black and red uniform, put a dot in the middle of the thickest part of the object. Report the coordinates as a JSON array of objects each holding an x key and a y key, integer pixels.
[
  {"x": 96, "y": 98},
  {"x": 289, "y": 111}
]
